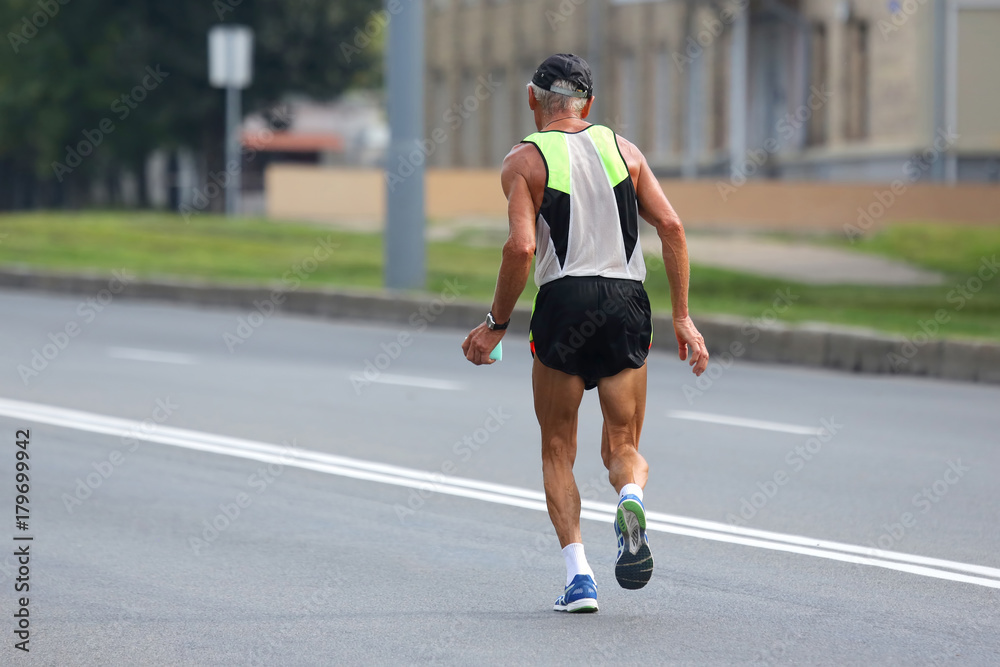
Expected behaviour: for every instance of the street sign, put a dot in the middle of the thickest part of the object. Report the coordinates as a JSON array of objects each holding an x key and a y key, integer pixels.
[
  {"x": 230, "y": 53},
  {"x": 230, "y": 49}
]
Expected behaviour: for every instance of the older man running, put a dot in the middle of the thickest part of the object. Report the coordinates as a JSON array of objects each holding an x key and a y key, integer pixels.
[{"x": 575, "y": 192}]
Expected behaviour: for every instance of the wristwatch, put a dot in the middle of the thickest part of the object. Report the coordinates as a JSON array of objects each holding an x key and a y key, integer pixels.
[{"x": 492, "y": 323}]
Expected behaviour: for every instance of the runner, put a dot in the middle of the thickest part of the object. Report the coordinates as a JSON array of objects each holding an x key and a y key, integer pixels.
[{"x": 575, "y": 192}]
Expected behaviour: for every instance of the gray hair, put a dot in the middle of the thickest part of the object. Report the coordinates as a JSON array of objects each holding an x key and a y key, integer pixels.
[{"x": 557, "y": 102}]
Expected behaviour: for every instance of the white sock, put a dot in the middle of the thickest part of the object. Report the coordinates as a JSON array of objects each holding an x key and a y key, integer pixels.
[
  {"x": 633, "y": 489},
  {"x": 576, "y": 562}
]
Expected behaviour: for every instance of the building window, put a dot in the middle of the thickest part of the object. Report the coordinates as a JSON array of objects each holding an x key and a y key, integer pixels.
[
  {"x": 663, "y": 140},
  {"x": 720, "y": 98},
  {"x": 626, "y": 123},
  {"x": 469, "y": 121},
  {"x": 856, "y": 98},
  {"x": 501, "y": 139},
  {"x": 440, "y": 99},
  {"x": 816, "y": 129}
]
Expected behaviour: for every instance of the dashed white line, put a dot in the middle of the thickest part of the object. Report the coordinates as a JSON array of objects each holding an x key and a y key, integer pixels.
[
  {"x": 745, "y": 423},
  {"x": 411, "y": 381},
  {"x": 155, "y": 356},
  {"x": 343, "y": 466}
]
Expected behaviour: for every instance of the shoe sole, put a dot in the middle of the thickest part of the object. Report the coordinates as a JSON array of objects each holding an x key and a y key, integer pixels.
[
  {"x": 635, "y": 567},
  {"x": 581, "y": 606}
]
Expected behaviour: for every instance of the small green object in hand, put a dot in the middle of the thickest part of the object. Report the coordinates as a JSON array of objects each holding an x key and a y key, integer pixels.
[{"x": 497, "y": 353}]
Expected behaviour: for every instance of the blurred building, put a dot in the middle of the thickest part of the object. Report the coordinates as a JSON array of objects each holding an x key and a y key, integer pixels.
[
  {"x": 801, "y": 89},
  {"x": 348, "y": 132}
]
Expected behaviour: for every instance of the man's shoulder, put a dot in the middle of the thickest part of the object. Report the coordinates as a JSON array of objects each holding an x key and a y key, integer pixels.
[
  {"x": 630, "y": 152},
  {"x": 522, "y": 158},
  {"x": 523, "y": 161}
]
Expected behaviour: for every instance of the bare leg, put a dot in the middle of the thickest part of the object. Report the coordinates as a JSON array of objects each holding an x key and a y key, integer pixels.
[
  {"x": 557, "y": 400},
  {"x": 623, "y": 402}
]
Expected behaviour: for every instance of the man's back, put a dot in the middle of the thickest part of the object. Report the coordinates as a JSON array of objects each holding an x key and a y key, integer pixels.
[
  {"x": 588, "y": 222},
  {"x": 526, "y": 162}
]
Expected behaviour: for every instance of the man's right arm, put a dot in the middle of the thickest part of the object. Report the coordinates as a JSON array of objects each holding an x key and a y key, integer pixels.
[{"x": 657, "y": 211}]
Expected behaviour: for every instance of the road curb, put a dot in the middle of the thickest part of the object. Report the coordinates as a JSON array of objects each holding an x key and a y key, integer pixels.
[{"x": 728, "y": 338}]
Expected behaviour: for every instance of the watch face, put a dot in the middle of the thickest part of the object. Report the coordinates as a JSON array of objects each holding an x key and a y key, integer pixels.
[{"x": 490, "y": 322}]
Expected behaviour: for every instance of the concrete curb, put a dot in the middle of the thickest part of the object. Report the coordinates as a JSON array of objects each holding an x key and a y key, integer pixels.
[{"x": 728, "y": 338}]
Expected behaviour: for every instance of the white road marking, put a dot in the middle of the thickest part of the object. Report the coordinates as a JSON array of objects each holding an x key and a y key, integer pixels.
[
  {"x": 502, "y": 494},
  {"x": 135, "y": 354},
  {"x": 746, "y": 423},
  {"x": 411, "y": 381}
]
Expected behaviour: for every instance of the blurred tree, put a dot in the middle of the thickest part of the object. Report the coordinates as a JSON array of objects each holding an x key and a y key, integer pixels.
[{"x": 90, "y": 88}]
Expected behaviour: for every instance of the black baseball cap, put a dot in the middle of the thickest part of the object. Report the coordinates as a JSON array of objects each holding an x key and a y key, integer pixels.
[{"x": 568, "y": 67}]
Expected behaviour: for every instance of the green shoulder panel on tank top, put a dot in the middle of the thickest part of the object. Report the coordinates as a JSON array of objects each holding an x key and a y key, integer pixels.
[
  {"x": 607, "y": 146},
  {"x": 555, "y": 152}
]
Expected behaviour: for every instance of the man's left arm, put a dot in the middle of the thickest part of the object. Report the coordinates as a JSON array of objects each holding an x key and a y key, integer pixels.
[{"x": 515, "y": 264}]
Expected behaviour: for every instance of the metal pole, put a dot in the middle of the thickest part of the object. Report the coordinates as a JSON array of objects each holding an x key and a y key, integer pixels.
[
  {"x": 234, "y": 166},
  {"x": 405, "y": 158},
  {"x": 692, "y": 121}
]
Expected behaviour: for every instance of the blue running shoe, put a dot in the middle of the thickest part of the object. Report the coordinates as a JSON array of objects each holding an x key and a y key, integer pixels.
[
  {"x": 634, "y": 565},
  {"x": 580, "y": 596}
]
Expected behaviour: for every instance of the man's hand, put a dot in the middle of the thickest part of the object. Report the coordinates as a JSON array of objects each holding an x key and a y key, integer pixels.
[
  {"x": 480, "y": 342},
  {"x": 688, "y": 337}
]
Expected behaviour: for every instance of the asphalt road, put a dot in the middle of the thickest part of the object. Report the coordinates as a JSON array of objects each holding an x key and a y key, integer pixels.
[{"x": 316, "y": 560}]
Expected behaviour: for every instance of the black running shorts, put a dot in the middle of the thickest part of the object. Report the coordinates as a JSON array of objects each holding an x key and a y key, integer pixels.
[{"x": 591, "y": 326}]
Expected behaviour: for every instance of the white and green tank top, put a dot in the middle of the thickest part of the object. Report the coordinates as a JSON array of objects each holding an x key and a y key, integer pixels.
[{"x": 588, "y": 224}]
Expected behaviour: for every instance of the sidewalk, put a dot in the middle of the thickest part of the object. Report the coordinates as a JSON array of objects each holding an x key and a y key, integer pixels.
[{"x": 797, "y": 261}]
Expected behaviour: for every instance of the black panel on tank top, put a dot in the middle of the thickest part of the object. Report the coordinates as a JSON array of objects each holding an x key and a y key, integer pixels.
[{"x": 555, "y": 210}]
